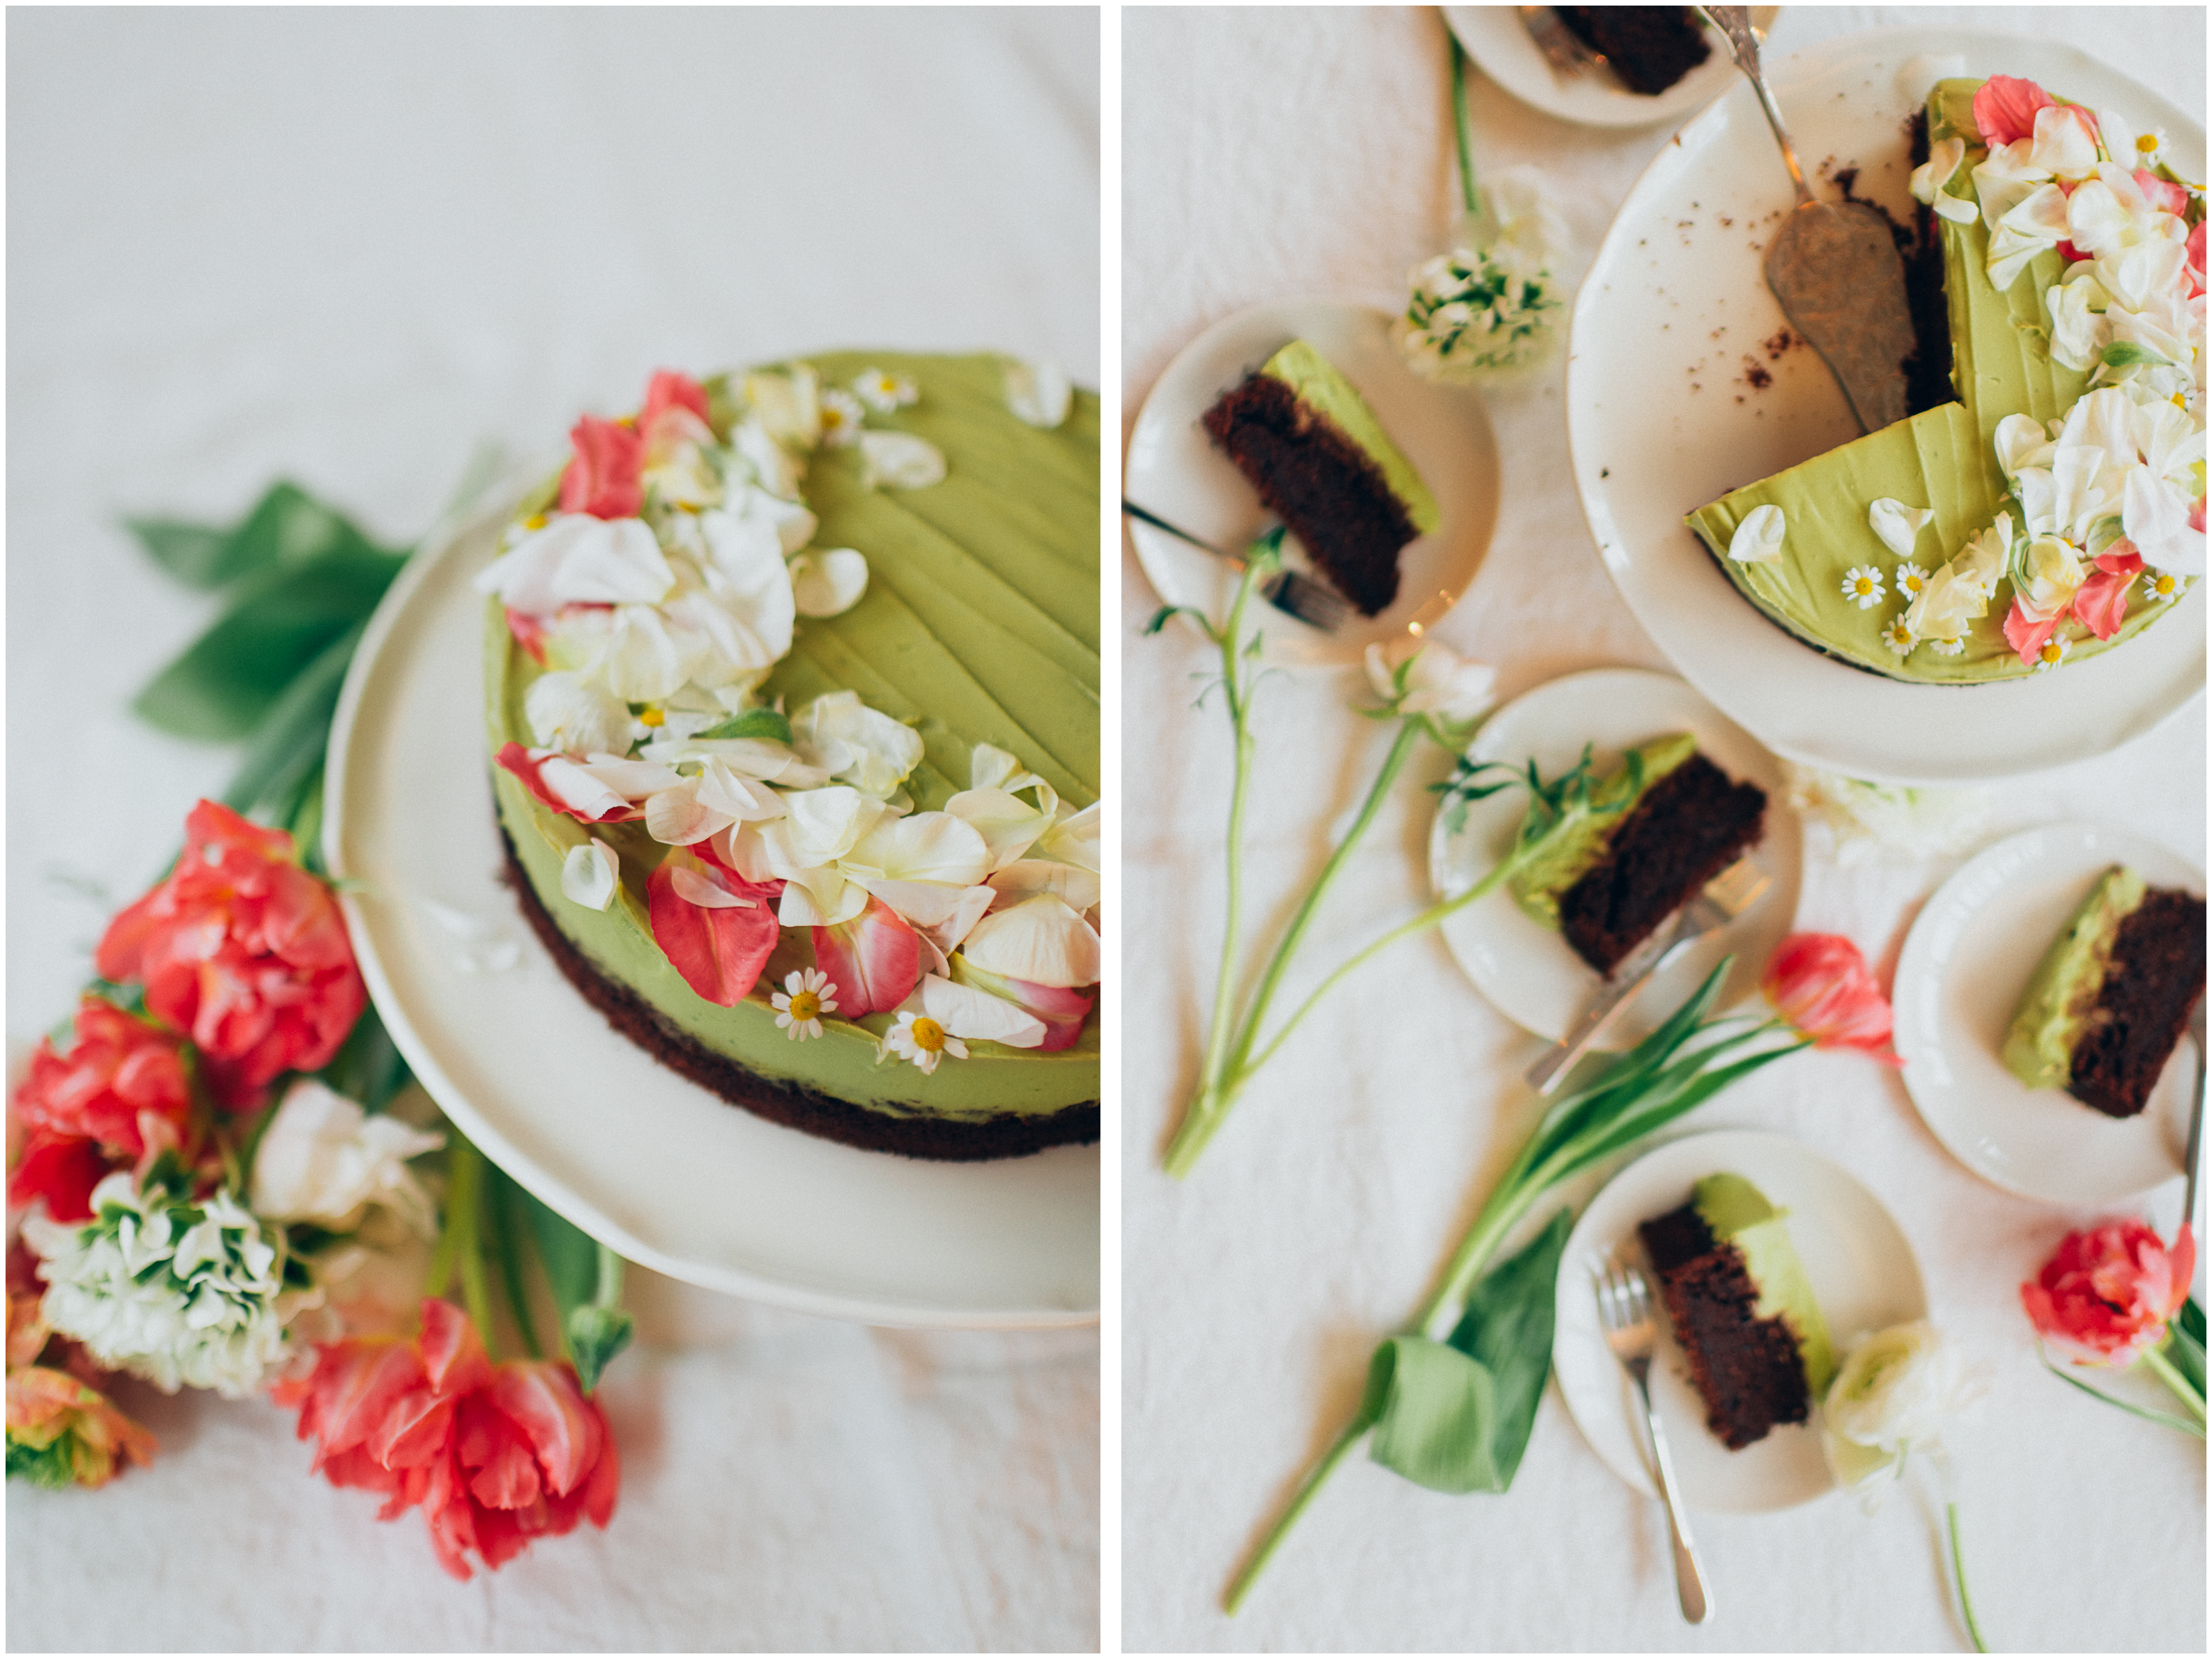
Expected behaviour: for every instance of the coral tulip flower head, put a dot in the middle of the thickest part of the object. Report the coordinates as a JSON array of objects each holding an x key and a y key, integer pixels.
[
  {"x": 2107, "y": 1292},
  {"x": 1821, "y": 984}
]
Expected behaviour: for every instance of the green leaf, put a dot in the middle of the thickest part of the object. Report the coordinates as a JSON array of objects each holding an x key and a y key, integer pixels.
[
  {"x": 567, "y": 1252},
  {"x": 1161, "y": 616},
  {"x": 1456, "y": 1417},
  {"x": 596, "y": 1335},
  {"x": 2185, "y": 1343},
  {"x": 507, "y": 1219},
  {"x": 49, "y": 1466},
  {"x": 229, "y": 679},
  {"x": 290, "y": 741},
  {"x": 368, "y": 1068},
  {"x": 764, "y": 723},
  {"x": 196, "y": 554},
  {"x": 2124, "y": 353}
]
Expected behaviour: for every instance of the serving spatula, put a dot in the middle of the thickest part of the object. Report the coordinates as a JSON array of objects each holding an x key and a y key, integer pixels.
[{"x": 1833, "y": 265}]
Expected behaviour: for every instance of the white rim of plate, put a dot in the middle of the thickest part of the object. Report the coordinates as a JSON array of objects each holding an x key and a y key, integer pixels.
[
  {"x": 438, "y": 546},
  {"x": 2009, "y": 1135},
  {"x": 1786, "y": 1468},
  {"x": 1172, "y": 470},
  {"x": 1853, "y": 701}
]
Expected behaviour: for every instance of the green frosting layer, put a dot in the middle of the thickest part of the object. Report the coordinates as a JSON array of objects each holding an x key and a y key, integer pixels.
[
  {"x": 981, "y": 624},
  {"x": 1740, "y": 1214},
  {"x": 2054, "y": 1010},
  {"x": 1580, "y": 843},
  {"x": 1942, "y": 458},
  {"x": 1316, "y": 384}
]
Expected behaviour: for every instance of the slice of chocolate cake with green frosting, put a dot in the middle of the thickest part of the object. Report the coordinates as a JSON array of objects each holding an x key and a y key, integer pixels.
[
  {"x": 1742, "y": 1310},
  {"x": 1657, "y": 828},
  {"x": 1323, "y": 464},
  {"x": 2051, "y": 506},
  {"x": 2110, "y": 1000}
]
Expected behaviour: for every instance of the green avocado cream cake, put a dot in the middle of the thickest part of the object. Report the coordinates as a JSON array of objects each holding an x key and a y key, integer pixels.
[
  {"x": 1742, "y": 1309},
  {"x": 1651, "y": 833},
  {"x": 792, "y": 687},
  {"x": 1307, "y": 440},
  {"x": 2109, "y": 1001},
  {"x": 2046, "y": 502}
]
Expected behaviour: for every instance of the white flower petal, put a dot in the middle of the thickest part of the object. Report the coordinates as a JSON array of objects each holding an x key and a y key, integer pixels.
[
  {"x": 577, "y": 559},
  {"x": 694, "y": 888},
  {"x": 1758, "y": 539},
  {"x": 1897, "y": 525},
  {"x": 1079, "y": 888},
  {"x": 1038, "y": 392},
  {"x": 588, "y": 875},
  {"x": 1075, "y": 839},
  {"x": 567, "y": 714},
  {"x": 899, "y": 460},
  {"x": 965, "y": 1011},
  {"x": 931, "y": 846},
  {"x": 1040, "y": 939},
  {"x": 828, "y": 583}
]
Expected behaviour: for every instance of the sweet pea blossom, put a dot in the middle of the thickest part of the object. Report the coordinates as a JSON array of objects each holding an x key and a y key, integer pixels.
[
  {"x": 1427, "y": 677},
  {"x": 1892, "y": 1396},
  {"x": 2106, "y": 1294},
  {"x": 243, "y": 949},
  {"x": 323, "y": 1159},
  {"x": 1822, "y": 987}
]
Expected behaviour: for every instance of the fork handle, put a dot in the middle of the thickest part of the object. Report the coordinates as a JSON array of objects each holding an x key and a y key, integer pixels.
[
  {"x": 1546, "y": 1074},
  {"x": 1689, "y": 1580}
]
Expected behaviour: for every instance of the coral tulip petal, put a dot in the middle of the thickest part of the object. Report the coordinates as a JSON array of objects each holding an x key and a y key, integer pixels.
[{"x": 874, "y": 960}]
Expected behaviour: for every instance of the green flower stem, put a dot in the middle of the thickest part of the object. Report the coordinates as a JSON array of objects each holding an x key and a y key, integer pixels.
[
  {"x": 2175, "y": 1382},
  {"x": 464, "y": 1233},
  {"x": 1309, "y": 1489},
  {"x": 1216, "y": 1039},
  {"x": 611, "y": 1280},
  {"x": 1429, "y": 918},
  {"x": 1461, "y": 131},
  {"x": 1959, "y": 1574}
]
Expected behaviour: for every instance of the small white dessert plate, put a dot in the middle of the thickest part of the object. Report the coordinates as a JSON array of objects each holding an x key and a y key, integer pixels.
[
  {"x": 1527, "y": 970},
  {"x": 1960, "y": 978},
  {"x": 669, "y": 1175},
  {"x": 1495, "y": 40},
  {"x": 1674, "y": 399},
  {"x": 1174, "y": 470},
  {"x": 1856, "y": 1257}
]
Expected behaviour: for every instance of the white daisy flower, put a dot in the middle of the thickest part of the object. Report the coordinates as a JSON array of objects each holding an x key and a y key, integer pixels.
[
  {"x": 884, "y": 392},
  {"x": 2163, "y": 584},
  {"x": 1898, "y": 636},
  {"x": 2053, "y": 653},
  {"x": 1910, "y": 580},
  {"x": 1862, "y": 586},
  {"x": 841, "y": 416},
  {"x": 807, "y": 994},
  {"x": 1950, "y": 648},
  {"x": 920, "y": 1039}
]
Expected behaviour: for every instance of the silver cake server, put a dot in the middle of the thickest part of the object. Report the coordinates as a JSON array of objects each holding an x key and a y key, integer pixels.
[{"x": 1833, "y": 265}]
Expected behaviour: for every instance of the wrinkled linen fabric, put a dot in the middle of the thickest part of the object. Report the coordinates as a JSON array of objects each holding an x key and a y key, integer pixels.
[
  {"x": 1256, "y": 1289},
  {"x": 347, "y": 248}
]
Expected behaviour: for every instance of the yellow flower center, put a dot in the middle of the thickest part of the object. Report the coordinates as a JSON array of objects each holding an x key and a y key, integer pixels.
[
  {"x": 2147, "y": 142},
  {"x": 652, "y": 717},
  {"x": 1863, "y": 585},
  {"x": 2052, "y": 651},
  {"x": 535, "y": 521},
  {"x": 928, "y": 1036},
  {"x": 2161, "y": 585},
  {"x": 804, "y": 1006}
]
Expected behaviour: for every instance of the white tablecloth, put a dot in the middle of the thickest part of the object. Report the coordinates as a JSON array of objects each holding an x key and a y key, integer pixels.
[
  {"x": 347, "y": 247},
  {"x": 1269, "y": 154}
]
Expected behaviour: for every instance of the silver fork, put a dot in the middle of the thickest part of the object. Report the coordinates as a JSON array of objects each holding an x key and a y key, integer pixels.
[
  {"x": 1624, "y": 1308},
  {"x": 1721, "y": 901},
  {"x": 1563, "y": 49},
  {"x": 1294, "y": 595}
]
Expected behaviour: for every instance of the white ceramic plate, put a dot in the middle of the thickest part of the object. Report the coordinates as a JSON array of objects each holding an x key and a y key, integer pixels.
[
  {"x": 1661, "y": 418},
  {"x": 1174, "y": 470},
  {"x": 1527, "y": 970},
  {"x": 1496, "y": 40},
  {"x": 666, "y": 1173},
  {"x": 1862, "y": 1275},
  {"x": 1959, "y": 980}
]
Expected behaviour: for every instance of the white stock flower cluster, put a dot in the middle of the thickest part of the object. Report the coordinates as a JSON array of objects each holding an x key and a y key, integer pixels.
[
  {"x": 1488, "y": 306},
  {"x": 180, "y": 1292}
]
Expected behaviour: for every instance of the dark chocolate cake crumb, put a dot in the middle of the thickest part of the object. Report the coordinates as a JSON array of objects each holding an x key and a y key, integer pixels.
[
  {"x": 1747, "y": 1371},
  {"x": 2156, "y": 974},
  {"x": 1648, "y": 47}
]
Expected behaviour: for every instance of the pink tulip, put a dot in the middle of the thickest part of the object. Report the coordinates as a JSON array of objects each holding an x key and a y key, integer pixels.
[
  {"x": 2107, "y": 1292},
  {"x": 2004, "y": 109},
  {"x": 601, "y": 478},
  {"x": 1821, "y": 984}
]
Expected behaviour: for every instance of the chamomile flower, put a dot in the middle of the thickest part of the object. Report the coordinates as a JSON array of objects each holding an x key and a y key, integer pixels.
[
  {"x": 2163, "y": 584},
  {"x": 920, "y": 1039},
  {"x": 884, "y": 392},
  {"x": 807, "y": 994},
  {"x": 1910, "y": 580},
  {"x": 1862, "y": 586},
  {"x": 1898, "y": 636},
  {"x": 1953, "y": 646},
  {"x": 841, "y": 416},
  {"x": 2053, "y": 653}
]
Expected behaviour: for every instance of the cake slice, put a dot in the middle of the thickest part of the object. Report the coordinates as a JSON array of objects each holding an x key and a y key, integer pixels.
[
  {"x": 1306, "y": 440},
  {"x": 2110, "y": 1000},
  {"x": 1742, "y": 1309},
  {"x": 1669, "y": 821},
  {"x": 1648, "y": 47}
]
